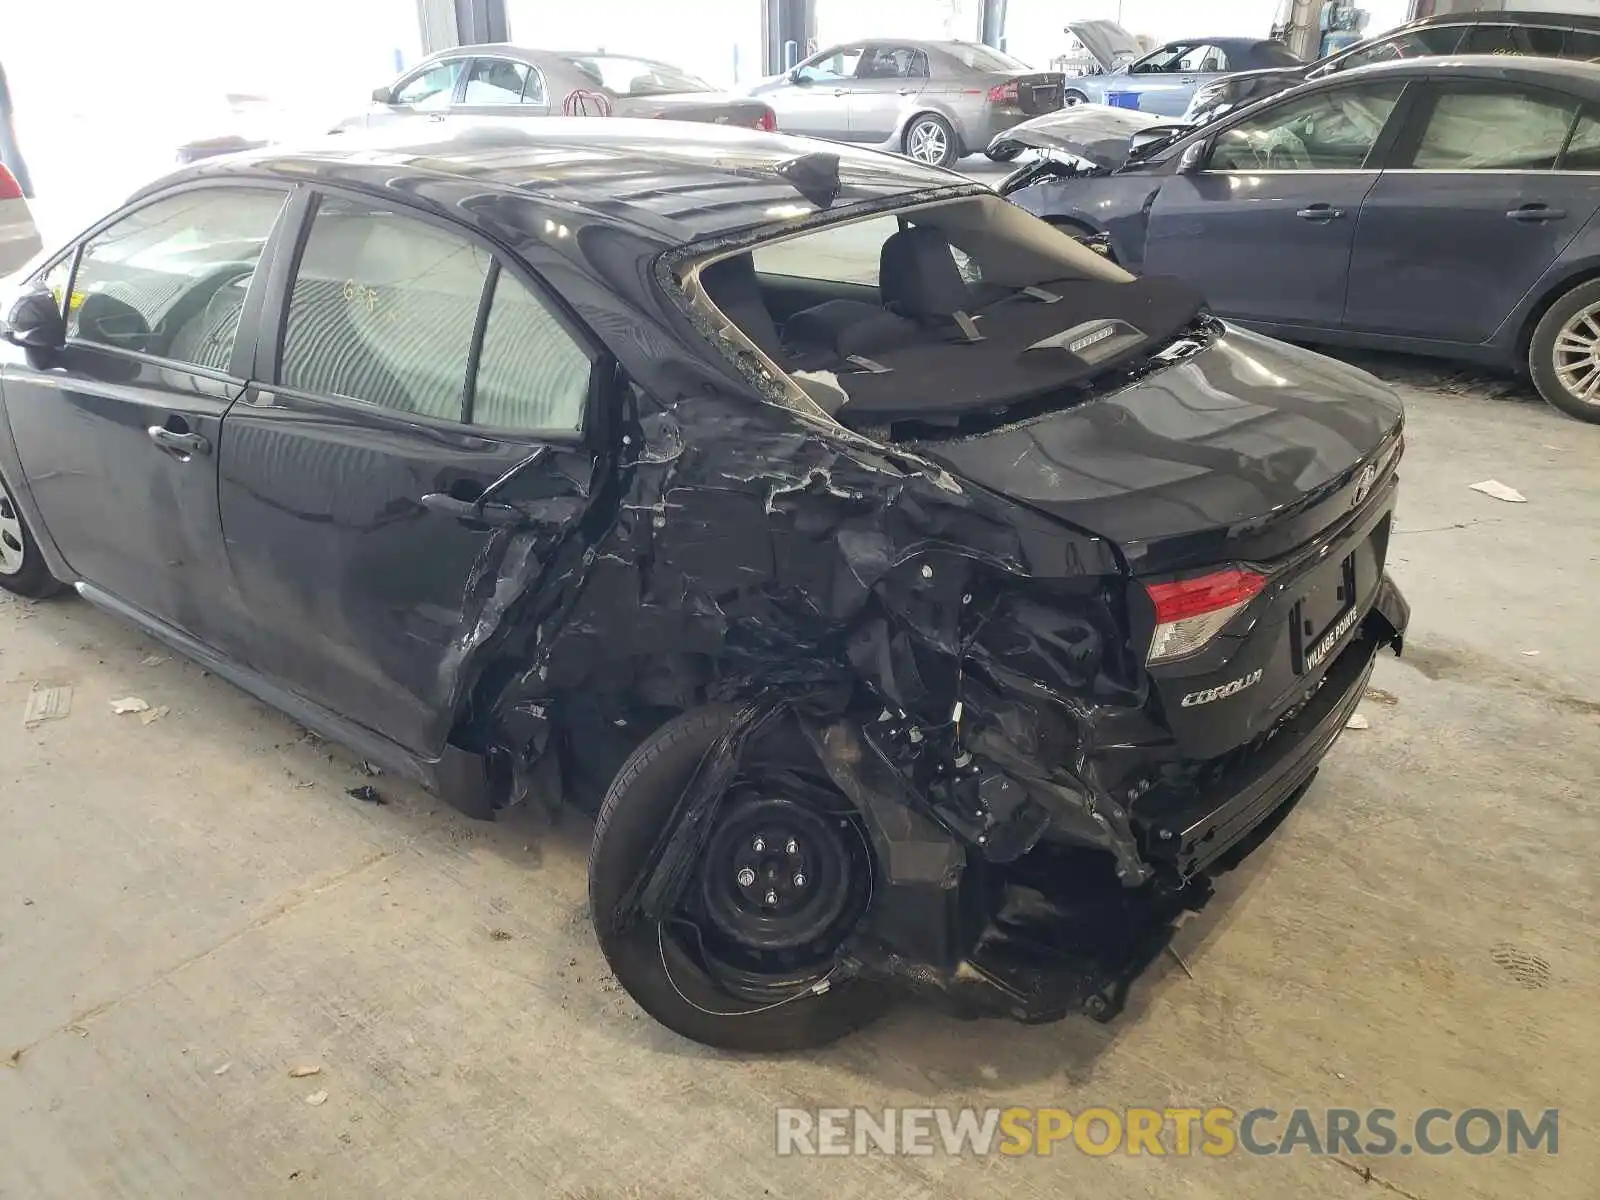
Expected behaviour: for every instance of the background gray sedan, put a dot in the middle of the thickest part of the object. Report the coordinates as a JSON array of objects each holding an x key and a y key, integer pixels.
[
  {"x": 934, "y": 101},
  {"x": 516, "y": 81}
]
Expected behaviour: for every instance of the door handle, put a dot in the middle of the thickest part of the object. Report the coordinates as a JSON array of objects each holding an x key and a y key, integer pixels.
[
  {"x": 1536, "y": 213},
  {"x": 1189, "y": 79},
  {"x": 179, "y": 443},
  {"x": 1320, "y": 212},
  {"x": 838, "y": 91},
  {"x": 470, "y": 512},
  {"x": 435, "y": 117},
  {"x": 906, "y": 92}
]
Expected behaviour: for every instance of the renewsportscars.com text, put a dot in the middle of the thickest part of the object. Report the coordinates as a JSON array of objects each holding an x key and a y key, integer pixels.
[{"x": 1212, "y": 1132}]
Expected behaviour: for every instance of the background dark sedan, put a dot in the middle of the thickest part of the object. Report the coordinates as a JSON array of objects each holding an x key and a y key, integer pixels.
[
  {"x": 1550, "y": 35},
  {"x": 515, "y": 81},
  {"x": 1442, "y": 206}
]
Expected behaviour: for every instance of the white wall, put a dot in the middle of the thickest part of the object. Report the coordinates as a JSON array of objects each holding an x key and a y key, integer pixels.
[
  {"x": 846, "y": 20},
  {"x": 719, "y": 40}
]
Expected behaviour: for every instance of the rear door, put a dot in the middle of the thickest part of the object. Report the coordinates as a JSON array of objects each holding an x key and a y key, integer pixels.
[
  {"x": 815, "y": 100},
  {"x": 1266, "y": 226},
  {"x": 412, "y": 368},
  {"x": 889, "y": 79},
  {"x": 119, "y": 438},
  {"x": 1472, "y": 213},
  {"x": 502, "y": 87}
]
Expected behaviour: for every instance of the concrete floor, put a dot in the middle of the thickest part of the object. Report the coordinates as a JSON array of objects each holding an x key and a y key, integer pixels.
[{"x": 190, "y": 908}]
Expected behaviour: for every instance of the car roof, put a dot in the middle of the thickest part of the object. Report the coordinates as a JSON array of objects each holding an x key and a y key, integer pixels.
[
  {"x": 1582, "y": 78},
  {"x": 1503, "y": 17},
  {"x": 676, "y": 181}
]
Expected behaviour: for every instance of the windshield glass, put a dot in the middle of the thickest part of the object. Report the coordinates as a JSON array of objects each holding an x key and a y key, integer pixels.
[
  {"x": 637, "y": 76},
  {"x": 985, "y": 58},
  {"x": 936, "y": 313}
]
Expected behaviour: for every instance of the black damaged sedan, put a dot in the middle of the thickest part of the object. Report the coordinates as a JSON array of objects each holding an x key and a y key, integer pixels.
[{"x": 920, "y": 599}]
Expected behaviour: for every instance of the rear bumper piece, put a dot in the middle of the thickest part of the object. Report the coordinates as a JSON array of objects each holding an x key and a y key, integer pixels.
[
  {"x": 1061, "y": 934},
  {"x": 1191, "y": 838}
]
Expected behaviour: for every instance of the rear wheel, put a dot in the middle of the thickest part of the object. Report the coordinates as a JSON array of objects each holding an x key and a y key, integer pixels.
[
  {"x": 1072, "y": 96},
  {"x": 1564, "y": 353},
  {"x": 22, "y": 567},
  {"x": 930, "y": 139},
  {"x": 745, "y": 960}
]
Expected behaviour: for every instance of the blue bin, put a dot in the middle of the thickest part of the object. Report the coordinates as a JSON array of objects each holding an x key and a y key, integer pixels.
[{"x": 1123, "y": 99}]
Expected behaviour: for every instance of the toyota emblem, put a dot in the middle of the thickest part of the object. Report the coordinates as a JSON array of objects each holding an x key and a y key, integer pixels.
[{"x": 1364, "y": 482}]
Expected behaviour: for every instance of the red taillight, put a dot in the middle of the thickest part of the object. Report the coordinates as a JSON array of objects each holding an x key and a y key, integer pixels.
[
  {"x": 10, "y": 189},
  {"x": 768, "y": 120},
  {"x": 1002, "y": 93},
  {"x": 1190, "y": 612}
]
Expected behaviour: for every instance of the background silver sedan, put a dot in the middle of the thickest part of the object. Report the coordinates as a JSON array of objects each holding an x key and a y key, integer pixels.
[
  {"x": 516, "y": 81},
  {"x": 934, "y": 101}
]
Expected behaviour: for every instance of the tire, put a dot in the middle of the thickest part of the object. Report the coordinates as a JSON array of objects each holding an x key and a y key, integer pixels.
[
  {"x": 1073, "y": 96},
  {"x": 1564, "y": 353},
  {"x": 687, "y": 1001},
  {"x": 22, "y": 567},
  {"x": 1003, "y": 154},
  {"x": 930, "y": 139},
  {"x": 1078, "y": 232}
]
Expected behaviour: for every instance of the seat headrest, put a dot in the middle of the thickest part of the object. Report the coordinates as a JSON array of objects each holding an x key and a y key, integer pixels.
[
  {"x": 734, "y": 288},
  {"x": 918, "y": 276}
]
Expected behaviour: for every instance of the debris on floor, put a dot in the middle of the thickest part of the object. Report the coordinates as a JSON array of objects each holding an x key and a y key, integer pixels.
[
  {"x": 152, "y": 715},
  {"x": 368, "y": 769},
  {"x": 152, "y": 660},
  {"x": 130, "y": 704},
  {"x": 317, "y": 1099},
  {"x": 14, "y": 1059},
  {"x": 305, "y": 1071},
  {"x": 1531, "y": 653},
  {"x": 499, "y": 935},
  {"x": 46, "y": 704},
  {"x": 1493, "y": 487},
  {"x": 1358, "y": 721},
  {"x": 223, "y": 1069},
  {"x": 1379, "y": 696},
  {"x": 366, "y": 793}
]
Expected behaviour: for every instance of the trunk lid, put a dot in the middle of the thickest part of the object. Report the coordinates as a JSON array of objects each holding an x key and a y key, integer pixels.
[
  {"x": 1110, "y": 43},
  {"x": 1251, "y": 455},
  {"x": 1237, "y": 452}
]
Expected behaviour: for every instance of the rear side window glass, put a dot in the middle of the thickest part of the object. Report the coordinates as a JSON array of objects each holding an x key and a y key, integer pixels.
[
  {"x": 1493, "y": 129},
  {"x": 495, "y": 81},
  {"x": 532, "y": 376},
  {"x": 1491, "y": 39},
  {"x": 1581, "y": 45},
  {"x": 1275, "y": 54},
  {"x": 1419, "y": 43},
  {"x": 382, "y": 310},
  {"x": 1583, "y": 151},
  {"x": 1544, "y": 41},
  {"x": 170, "y": 278},
  {"x": 1331, "y": 130},
  {"x": 843, "y": 254},
  {"x": 55, "y": 281}
]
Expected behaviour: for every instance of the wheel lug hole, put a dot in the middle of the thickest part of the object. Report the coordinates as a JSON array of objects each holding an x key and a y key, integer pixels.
[
  {"x": 799, "y": 880},
  {"x": 746, "y": 877},
  {"x": 793, "y": 847},
  {"x": 759, "y": 844},
  {"x": 771, "y": 897}
]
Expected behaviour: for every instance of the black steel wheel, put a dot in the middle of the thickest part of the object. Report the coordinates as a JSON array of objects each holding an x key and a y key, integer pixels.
[{"x": 747, "y": 959}]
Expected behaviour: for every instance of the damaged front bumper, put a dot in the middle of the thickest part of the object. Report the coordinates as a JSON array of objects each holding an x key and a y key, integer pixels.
[{"x": 1056, "y": 930}]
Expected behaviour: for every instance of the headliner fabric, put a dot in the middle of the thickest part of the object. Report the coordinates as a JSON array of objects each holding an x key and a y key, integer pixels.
[{"x": 929, "y": 378}]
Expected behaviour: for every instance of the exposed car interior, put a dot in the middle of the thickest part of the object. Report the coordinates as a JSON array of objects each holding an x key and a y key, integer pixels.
[{"x": 955, "y": 311}]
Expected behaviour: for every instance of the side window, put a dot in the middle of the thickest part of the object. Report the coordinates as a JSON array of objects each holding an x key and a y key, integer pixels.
[
  {"x": 1204, "y": 58},
  {"x": 533, "y": 91},
  {"x": 531, "y": 375},
  {"x": 1165, "y": 59},
  {"x": 1493, "y": 128},
  {"x": 1583, "y": 151},
  {"x": 382, "y": 310},
  {"x": 893, "y": 62},
  {"x": 56, "y": 279},
  {"x": 1419, "y": 43},
  {"x": 1491, "y": 39},
  {"x": 495, "y": 81},
  {"x": 833, "y": 64},
  {"x": 1545, "y": 41},
  {"x": 1576, "y": 44},
  {"x": 843, "y": 254},
  {"x": 1332, "y": 130},
  {"x": 433, "y": 88},
  {"x": 170, "y": 278}
]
